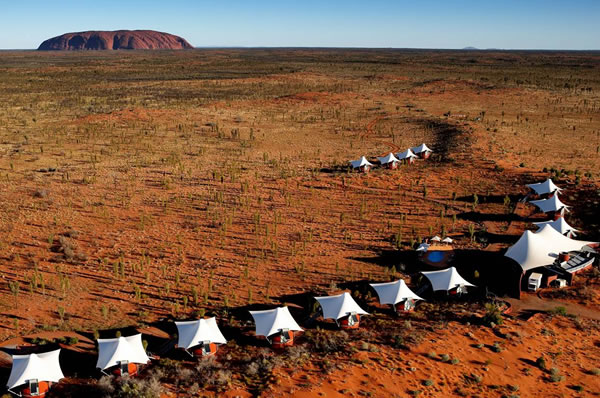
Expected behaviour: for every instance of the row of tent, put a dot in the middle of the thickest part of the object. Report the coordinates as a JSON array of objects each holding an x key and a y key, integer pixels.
[
  {"x": 542, "y": 248},
  {"x": 34, "y": 373},
  {"x": 391, "y": 161}
]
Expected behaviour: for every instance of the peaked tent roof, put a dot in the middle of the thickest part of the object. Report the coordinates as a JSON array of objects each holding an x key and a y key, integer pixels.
[
  {"x": 447, "y": 240},
  {"x": 551, "y": 204},
  {"x": 336, "y": 307},
  {"x": 193, "y": 333},
  {"x": 423, "y": 247},
  {"x": 389, "y": 158},
  {"x": 421, "y": 148},
  {"x": 111, "y": 351},
  {"x": 541, "y": 248},
  {"x": 394, "y": 292},
  {"x": 446, "y": 279},
  {"x": 559, "y": 224},
  {"x": 269, "y": 322},
  {"x": 542, "y": 188},
  {"x": 406, "y": 154},
  {"x": 360, "y": 162},
  {"x": 43, "y": 367},
  {"x": 436, "y": 239}
]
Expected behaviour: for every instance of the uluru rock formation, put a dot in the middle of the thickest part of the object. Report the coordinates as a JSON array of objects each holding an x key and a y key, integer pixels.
[{"x": 116, "y": 40}]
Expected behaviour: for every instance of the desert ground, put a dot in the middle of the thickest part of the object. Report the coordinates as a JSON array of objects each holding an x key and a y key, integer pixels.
[{"x": 138, "y": 188}]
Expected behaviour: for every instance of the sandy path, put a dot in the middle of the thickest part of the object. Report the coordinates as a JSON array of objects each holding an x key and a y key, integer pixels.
[{"x": 532, "y": 303}]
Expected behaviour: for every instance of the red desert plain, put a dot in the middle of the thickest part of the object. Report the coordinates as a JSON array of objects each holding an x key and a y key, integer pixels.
[{"x": 142, "y": 188}]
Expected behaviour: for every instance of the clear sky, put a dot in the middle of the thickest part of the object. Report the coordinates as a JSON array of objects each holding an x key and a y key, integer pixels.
[{"x": 510, "y": 24}]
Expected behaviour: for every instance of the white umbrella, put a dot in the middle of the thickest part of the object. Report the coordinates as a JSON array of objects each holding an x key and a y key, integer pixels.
[
  {"x": 193, "y": 333},
  {"x": 339, "y": 306},
  {"x": 41, "y": 367},
  {"x": 447, "y": 240},
  {"x": 269, "y": 322},
  {"x": 436, "y": 239},
  {"x": 394, "y": 292},
  {"x": 113, "y": 351}
]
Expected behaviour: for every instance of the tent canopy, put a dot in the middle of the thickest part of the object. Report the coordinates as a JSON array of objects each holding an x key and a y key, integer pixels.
[
  {"x": 446, "y": 279},
  {"x": 421, "y": 148},
  {"x": 360, "y": 163},
  {"x": 423, "y": 247},
  {"x": 193, "y": 333},
  {"x": 112, "y": 351},
  {"x": 542, "y": 188},
  {"x": 389, "y": 158},
  {"x": 541, "y": 248},
  {"x": 406, "y": 154},
  {"x": 269, "y": 322},
  {"x": 394, "y": 292},
  {"x": 559, "y": 224},
  {"x": 339, "y": 306},
  {"x": 43, "y": 367},
  {"x": 436, "y": 239},
  {"x": 447, "y": 240},
  {"x": 549, "y": 205}
]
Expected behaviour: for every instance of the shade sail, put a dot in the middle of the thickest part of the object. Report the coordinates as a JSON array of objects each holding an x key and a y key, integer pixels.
[
  {"x": 41, "y": 367},
  {"x": 269, "y": 322},
  {"x": 389, "y": 158},
  {"x": 360, "y": 163},
  {"x": 112, "y": 351},
  {"x": 559, "y": 224},
  {"x": 339, "y": 306},
  {"x": 446, "y": 279},
  {"x": 394, "y": 292},
  {"x": 541, "y": 248},
  {"x": 406, "y": 154},
  {"x": 193, "y": 333},
  {"x": 542, "y": 188},
  {"x": 420, "y": 149},
  {"x": 447, "y": 240},
  {"x": 549, "y": 205}
]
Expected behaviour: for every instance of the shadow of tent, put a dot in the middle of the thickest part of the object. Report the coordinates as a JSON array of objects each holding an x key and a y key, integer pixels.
[
  {"x": 496, "y": 217},
  {"x": 514, "y": 198},
  {"x": 406, "y": 259}
]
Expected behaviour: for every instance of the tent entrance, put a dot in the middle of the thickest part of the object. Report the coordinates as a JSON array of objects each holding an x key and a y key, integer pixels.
[
  {"x": 124, "y": 367},
  {"x": 34, "y": 387}
]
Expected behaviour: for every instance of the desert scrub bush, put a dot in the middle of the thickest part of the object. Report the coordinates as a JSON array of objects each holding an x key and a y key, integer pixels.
[
  {"x": 541, "y": 363},
  {"x": 555, "y": 376},
  {"x": 327, "y": 342},
  {"x": 428, "y": 382},
  {"x": 212, "y": 373},
  {"x": 497, "y": 347},
  {"x": 148, "y": 387},
  {"x": 595, "y": 371},
  {"x": 493, "y": 315},
  {"x": 445, "y": 358}
]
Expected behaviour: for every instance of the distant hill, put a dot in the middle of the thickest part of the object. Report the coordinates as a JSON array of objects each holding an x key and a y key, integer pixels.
[
  {"x": 116, "y": 40},
  {"x": 470, "y": 48}
]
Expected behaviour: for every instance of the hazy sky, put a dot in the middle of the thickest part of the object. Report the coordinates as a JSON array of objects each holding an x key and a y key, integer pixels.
[{"x": 524, "y": 24}]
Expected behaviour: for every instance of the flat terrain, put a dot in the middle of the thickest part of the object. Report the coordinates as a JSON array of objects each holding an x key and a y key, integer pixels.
[{"x": 141, "y": 187}]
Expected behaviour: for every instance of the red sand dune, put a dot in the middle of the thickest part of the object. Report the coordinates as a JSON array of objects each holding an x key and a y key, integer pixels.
[{"x": 116, "y": 40}]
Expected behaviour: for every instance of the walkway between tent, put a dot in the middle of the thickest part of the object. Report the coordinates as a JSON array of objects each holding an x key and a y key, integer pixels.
[{"x": 530, "y": 304}]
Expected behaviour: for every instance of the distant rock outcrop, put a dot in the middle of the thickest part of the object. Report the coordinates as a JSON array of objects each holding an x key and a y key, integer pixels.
[{"x": 116, "y": 40}]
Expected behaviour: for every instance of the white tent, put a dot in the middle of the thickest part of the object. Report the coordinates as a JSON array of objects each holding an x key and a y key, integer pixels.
[
  {"x": 193, "y": 333},
  {"x": 560, "y": 225},
  {"x": 339, "y": 306},
  {"x": 394, "y": 292},
  {"x": 269, "y": 322},
  {"x": 542, "y": 188},
  {"x": 420, "y": 149},
  {"x": 360, "y": 163},
  {"x": 423, "y": 247},
  {"x": 549, "y": 205},
  {"x": 406, "y": 154},
  {"x": 41, "y": 367},
  {"x": 447, "y": 240},
  {"x": 113, "y": 351},
  {"x": 446, "y": 279},
  {"x": 389, "y": 158},
  {"x": 541, "y": 248},
  {"x": 436, "y": 239}
]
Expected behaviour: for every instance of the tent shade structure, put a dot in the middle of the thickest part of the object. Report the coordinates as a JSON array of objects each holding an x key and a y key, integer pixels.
[
  {"x": 447, "y": 240},
  {"x": 406, "y": 155},
  {"x": 35, "y": 367},
  {"x": 361, "y": 164},
  {"x": 342, "y": 307},
  {"x": 560, "y": 224},
  {"x": 447, "y": 279},
  {"x": 546, "y": 187},
  {"x": 389, "y": 160},
  {"x": 436, "y": 239},
  {"x": 422, "y": 151},
  {"x": 423, "y": 247},
  {"x": 549, "y": 205},
  {"x": 541, "y": 248},
  {"x": 121, "y": 350},
  {"x": 270, "y": 322},
  {"x": 203, "y": 332},
  {"x": 394, "y": 293}
]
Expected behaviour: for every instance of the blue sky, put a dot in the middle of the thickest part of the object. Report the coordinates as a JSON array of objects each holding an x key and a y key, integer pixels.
[{"x": 533, "y": 24}]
